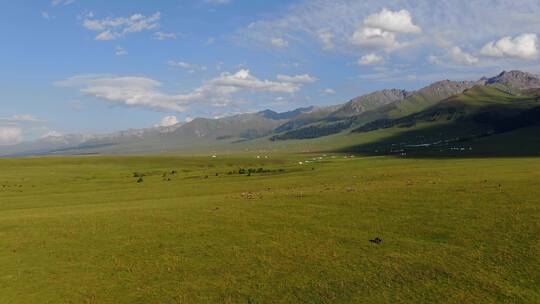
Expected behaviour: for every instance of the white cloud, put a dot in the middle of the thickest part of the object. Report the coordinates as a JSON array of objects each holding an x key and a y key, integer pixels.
[
  {"x": 371, "y": 59},
  {"x": 120, "y": 51},
  {"x": 434, "y": 59},
  {"x": 22, "y": 121},
  {"x": 524, "y": 46},
  {"x": 379, "y": 31},
  {"x": 290, "y": 64},
  {"x": 305, "y": 78},
  {"x": 188, "y": 119},
  {"x": 24, "y": 118},
  {"x": 191, "y": 68},
  {"x": 244, "y": 80},
  {"x": 393, "y": 21},
  {"x": 327, "y": 39},
  {"x": 342, "y": 25},
  {"x": 462, "y": 57},
  {"x": 129, "y": 90},
  {"x": 179, "y": 64},
  {"x": 167, "y": 121},
  {"x": 454, "y": 56},
  {"x": 86, "y": 15},
  {"x": 10, "y": 136},
  {"x": 375, "y": 38},
  {"x": 329, "y": 91},
  {"x": 62, "y": 2},
  {"x": 144, "y": 92},
  {"x": 219, "y": 91},
  {"x": 114, "y": 28},
  {"x": 458, "y": 22},
  {"x": 46, "y": 15},
  {"x": 52, "y": 133},
  {"x": 279, "y": 42},
  {"x": 164, "y": 36}
]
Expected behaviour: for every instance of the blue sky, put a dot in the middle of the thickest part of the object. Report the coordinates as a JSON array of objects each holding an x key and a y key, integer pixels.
[{"x": 75, "y": 66}]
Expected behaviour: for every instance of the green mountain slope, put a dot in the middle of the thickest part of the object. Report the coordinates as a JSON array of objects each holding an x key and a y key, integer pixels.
[
  {"x": 392, "y": 104},
  {"x": 467, "y": 123}
]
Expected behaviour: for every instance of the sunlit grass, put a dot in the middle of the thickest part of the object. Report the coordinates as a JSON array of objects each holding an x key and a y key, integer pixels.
[{"x": 82, "y": 230}]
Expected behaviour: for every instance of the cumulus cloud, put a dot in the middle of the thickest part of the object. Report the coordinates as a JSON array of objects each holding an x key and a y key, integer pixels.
[
  {"x": 524, "y": 46},
  {"x": 397, "y": 22},
  {"x": 305, "y": 78},
  {"x": 340, "y": 25},
  {"x": 279, "y": 42},
  {"x": 454, "y": 56},
  {"x": 375, "y": 38},
  {"x": 371, "y": 59},
  {"x": 168, "y": 121},
  {"x": 145, "y": 92},
  {"x": 461, "y": 57},
  {"x": 380, "y": 30},
  {"x": 10, "y": 136},
  {"x": 114, "y": 28}
]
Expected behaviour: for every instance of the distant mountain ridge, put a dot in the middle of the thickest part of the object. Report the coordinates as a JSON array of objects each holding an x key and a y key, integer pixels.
[
  {"x": 285, "y": 115},
  {"x": 370, "y": 101},
  {"x": 511, "y": 92},
  {"x": 383, "y": 104},
  {"x": 514, "y": 79}
]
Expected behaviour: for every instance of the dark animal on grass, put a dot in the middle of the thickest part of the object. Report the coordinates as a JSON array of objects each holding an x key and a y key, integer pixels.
[{"x": 376, "y": 240}]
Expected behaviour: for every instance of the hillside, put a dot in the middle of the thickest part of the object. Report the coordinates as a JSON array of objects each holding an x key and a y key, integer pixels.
[
  {"x": 391, "y": 104},
  {"x": 478, "y": 115},
  {"x": 370, "y": 102}
]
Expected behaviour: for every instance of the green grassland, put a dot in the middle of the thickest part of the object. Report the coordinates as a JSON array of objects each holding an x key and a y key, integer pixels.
[{"x": 193, "y": 230}]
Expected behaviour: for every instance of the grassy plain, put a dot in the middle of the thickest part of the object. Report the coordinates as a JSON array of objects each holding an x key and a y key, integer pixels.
[{"x": 83, "y": 230}]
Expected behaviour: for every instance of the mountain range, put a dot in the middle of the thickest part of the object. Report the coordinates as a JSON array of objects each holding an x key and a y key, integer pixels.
[{"x": 442, "y": 118}]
